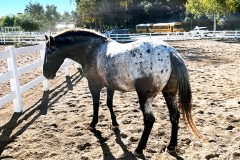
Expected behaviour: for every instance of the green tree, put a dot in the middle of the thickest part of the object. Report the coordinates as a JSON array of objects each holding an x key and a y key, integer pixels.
[
  {"x": 34, "y": 9},
  {"x": 212, "y": 8},
  {"x": 37, "y": 13},
  {"x": 98, "y": 12},
  {"x": 8, "y": 21},
  {"x": 28, "y": 23},
  {"x": 121, "y": 13},
  {"x": 52, "y": 15}
]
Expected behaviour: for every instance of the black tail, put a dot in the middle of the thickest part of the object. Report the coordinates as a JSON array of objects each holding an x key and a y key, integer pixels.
[{"x": 184, "y": 92}]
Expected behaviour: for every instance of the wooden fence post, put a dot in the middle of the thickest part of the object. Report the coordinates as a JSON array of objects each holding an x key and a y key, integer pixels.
[{"x": 14, "y": 82}]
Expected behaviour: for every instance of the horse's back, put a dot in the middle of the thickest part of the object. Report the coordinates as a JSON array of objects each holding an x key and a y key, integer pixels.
[{"x": 146, "y": 62}]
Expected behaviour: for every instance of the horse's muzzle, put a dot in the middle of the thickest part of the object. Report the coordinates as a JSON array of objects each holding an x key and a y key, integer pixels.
[{"x": 48, "y": 76}]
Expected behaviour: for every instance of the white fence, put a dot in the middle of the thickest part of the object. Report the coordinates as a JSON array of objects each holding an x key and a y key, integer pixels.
[
  {"x": 174, "y": 36},
  {"x": 21, "y": 38},
  {"x": 13, "y": 73},
  {"x": 37, "y": 38}
]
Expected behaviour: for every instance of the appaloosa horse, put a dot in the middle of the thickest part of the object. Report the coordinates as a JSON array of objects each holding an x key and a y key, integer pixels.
[{"x": 145, "y": 66}]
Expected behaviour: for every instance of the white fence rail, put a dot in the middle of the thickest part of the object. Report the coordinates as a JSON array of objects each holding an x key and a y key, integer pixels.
[
  {"x": 174, "y": 36},
  {"x": 21, "y": 38},
  {"x": 14, "y": 72},
  {"x": 36, "y": 38}
]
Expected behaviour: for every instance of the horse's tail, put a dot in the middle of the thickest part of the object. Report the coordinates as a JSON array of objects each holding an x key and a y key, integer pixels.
[{"x": 184, "y": 92}]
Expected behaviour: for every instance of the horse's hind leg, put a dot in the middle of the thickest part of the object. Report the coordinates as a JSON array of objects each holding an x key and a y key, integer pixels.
[
  {"x": 110, "y": 94},
  {"x": 174, "y": 118}
]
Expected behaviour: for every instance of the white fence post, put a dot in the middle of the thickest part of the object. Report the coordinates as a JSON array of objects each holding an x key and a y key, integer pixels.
[
  {"x": 4, "y": 39},
  {"x": 46, "y": 81},
  {"x": 67, "y": 72},
  {"x": 77, "y": 65},
  {"x": 14, "y": 82}
]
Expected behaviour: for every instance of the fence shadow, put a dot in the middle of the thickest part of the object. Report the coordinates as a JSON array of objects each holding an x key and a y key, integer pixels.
[{"x": 38, "y": 109}]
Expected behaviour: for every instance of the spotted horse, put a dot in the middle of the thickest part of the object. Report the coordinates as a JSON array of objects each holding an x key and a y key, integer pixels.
[{"x": 145, "y": 66}]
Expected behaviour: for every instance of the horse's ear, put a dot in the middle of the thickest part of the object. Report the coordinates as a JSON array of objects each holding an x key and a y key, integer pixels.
[
  {"x": 46, "y": 37},
  {"x": 52, "y": 41}
]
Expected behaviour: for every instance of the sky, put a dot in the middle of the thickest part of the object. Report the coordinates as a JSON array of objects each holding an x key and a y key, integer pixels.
[{"x": 18, "y": 6}]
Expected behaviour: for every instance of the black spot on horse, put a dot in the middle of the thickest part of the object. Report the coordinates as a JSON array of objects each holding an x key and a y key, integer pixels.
[
  {"x": 161, "y": 71},
  {"x": 148, "y": 51},
  {"x": 140, "y": 55},
  {"x": 132, "y": 52},
  {"x": 141, "y": 65}
]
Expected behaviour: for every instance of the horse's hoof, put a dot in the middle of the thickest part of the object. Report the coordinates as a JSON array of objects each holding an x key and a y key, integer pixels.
[{"x": 138, "y": 154}]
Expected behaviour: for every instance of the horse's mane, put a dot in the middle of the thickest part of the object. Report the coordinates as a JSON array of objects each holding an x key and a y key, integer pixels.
[{"x": 73, "y": 34}]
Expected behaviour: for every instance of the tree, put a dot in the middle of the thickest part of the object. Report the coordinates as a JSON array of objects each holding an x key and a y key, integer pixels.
[
  {"x": 37, "y": 14},
  {"x": 35, "y": 9},
  {"x": 212, "y": 8},
  {"x": 28, "y": 23},
  {"x": 97, "y": 11},
  {"x": 52, "y": 15},
  {"x": 8, "y": 21},
  {"x": 119, "y": 13}
]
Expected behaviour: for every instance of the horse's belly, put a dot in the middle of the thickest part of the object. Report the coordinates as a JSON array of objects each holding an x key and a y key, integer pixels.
[{"x": 119, "y": 81}]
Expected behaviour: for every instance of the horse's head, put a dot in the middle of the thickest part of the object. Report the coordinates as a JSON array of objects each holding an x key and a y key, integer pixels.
[{"x": 53, "y": 58}]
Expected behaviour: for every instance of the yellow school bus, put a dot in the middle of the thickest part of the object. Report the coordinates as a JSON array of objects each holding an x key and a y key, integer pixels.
[
  {"x": 167, "y": 27},
  {"x": 143, "y": 28}
]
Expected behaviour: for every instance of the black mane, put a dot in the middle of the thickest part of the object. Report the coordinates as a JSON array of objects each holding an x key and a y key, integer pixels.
[{"x": 77, "y": 34}]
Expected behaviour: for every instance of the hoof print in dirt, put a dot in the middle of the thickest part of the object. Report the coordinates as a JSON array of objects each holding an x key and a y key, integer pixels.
[
  {"x": 236, "y": 155},
  {"x": 83, "y": 146},
  {"x": 230, "y": 127},
  {"x": 133, "y": 139},
  {"x": 124, "y": 135},
  {"x": 210, "y": 156}
]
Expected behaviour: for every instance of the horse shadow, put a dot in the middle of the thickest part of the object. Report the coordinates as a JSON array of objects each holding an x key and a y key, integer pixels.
[
  {"x": 105, "y": 148},
  {"x": 127, "y": 154},
  {"x": 37, "y": 109}
]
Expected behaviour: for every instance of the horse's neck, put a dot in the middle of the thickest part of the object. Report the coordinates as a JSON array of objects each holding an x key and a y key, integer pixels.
[{"x": 84, "y": 50}]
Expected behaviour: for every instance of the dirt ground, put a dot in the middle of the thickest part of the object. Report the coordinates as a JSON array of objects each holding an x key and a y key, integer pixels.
[{"x": 54, "y": 123}]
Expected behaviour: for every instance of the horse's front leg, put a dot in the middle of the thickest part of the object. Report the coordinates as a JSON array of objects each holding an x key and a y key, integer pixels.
[
  {"x": 174, "y": 118},
  {"x": 110, "y": 93},
  {"x": 95, "y": 91},
  {"x": 149, "y": 119}
]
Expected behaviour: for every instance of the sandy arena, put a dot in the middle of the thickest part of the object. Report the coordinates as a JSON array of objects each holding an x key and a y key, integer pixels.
[{"x": 54, "y": 123}]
